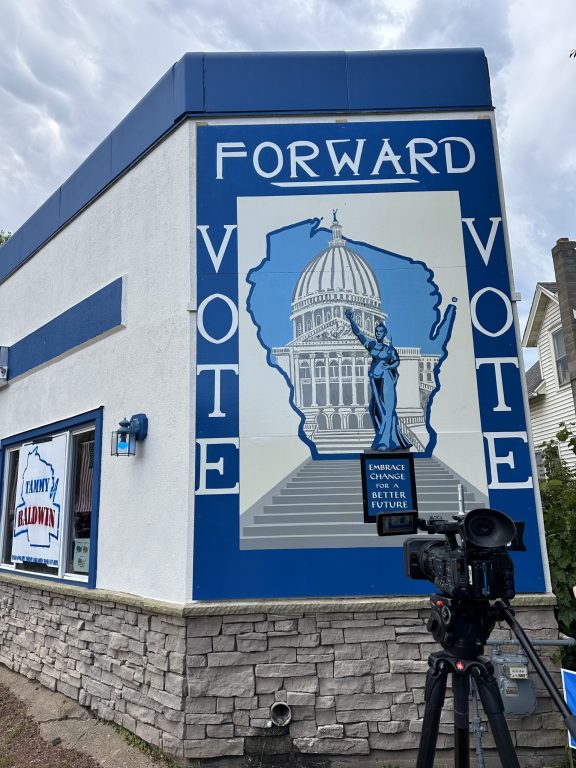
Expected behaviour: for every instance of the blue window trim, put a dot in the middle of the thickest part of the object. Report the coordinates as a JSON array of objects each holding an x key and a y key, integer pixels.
[
  {"x": 83, "y": 419},
  {"x": 247, "y": 84}
]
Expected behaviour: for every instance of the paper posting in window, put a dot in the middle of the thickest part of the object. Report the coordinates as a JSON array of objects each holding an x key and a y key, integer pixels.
[
  {"x": 81, "y": 558},
  {"x": 39, "y": 502}
]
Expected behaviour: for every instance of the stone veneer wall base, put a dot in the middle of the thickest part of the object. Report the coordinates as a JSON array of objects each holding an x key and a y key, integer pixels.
[{"x": 198, "y": 681}]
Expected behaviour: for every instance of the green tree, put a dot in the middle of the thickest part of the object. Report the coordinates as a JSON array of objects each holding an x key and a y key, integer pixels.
[
  {"x": 558, "y": 492},
  {"x": 4, "y": 236}
]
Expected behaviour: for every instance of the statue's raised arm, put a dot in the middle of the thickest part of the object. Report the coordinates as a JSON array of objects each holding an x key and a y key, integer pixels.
[{"x": 364, "y": 340}]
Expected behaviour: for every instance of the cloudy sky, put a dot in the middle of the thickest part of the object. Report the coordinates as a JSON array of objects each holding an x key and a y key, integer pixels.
[{"x": 70, "y": 70}]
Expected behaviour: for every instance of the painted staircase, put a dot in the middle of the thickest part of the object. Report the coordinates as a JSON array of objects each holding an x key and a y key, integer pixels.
[{"x": 320, "y": 506}]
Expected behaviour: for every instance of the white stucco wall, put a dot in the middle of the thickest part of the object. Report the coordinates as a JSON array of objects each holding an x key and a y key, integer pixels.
[{"x": 140, "y": 228}]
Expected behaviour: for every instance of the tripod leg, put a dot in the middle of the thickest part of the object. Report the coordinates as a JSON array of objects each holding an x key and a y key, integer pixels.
[
  {"x": 494, "y": 709},
  {"x": 461, "y": 720},
  {"x": 434, "y": 697}
]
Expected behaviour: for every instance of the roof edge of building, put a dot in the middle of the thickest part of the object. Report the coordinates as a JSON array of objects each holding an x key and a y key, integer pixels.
[{"x": 242, "y": 84}]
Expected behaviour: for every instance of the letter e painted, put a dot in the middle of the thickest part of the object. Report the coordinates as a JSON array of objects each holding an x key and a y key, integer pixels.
[
  {"x": 508, "y": 460},
  {"x": 216, "y": 466}
]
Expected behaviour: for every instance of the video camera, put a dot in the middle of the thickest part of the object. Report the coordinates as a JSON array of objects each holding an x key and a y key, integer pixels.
[{"x": 471, "y": 561}]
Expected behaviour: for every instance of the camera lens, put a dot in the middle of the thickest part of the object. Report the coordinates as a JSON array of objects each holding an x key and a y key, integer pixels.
[
  {"x": 482, "y": 526},
  {"x": 487, "y": 528}
]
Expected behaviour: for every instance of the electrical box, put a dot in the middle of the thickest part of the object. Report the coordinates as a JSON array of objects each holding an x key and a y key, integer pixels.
[{"x": 516, "y": 687}]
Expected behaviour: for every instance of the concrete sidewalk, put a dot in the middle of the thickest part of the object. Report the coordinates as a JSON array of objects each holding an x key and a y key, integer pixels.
[{"x": 60, "y": 717}]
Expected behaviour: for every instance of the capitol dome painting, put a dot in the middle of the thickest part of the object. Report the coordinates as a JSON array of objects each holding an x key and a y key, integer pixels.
[{"x": 328, "y": 367}]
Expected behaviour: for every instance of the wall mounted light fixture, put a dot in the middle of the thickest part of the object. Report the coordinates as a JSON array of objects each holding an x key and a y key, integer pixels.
[{"x": 128, "y": 433}]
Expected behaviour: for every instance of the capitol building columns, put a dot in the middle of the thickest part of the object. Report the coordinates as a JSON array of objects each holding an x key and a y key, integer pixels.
[
  {"x": 324, "y": 361},
  {"x": 314, "y": 399}
]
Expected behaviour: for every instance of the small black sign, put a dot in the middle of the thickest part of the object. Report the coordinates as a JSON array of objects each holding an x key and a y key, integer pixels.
[{"x": 389, "y": 492}]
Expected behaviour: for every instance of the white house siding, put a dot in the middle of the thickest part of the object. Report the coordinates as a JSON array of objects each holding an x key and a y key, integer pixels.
[
  {"x": 139, "y": 228},
  {"x": 557, "y": 404}
]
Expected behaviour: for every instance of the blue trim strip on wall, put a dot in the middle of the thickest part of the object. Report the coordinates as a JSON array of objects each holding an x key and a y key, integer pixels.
[
  {"x": 59, "y": 426},
  {"x": 86, "y": 320},
  {"x": 222, "y": 84}
]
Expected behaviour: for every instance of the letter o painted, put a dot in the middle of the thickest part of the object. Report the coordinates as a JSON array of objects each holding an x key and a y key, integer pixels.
[
  {"x": 233, "y": 324},
  {"x": 279, "y": 159},
  {"x": 509, "y": 315}
]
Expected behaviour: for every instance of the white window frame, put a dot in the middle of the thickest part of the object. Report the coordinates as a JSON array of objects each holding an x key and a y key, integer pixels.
[
  {"x": 553, "y": 332},
  {"x": 539, "y": 460}
]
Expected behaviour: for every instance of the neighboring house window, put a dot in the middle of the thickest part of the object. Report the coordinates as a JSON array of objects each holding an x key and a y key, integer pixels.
[
  {"x": 546, "y": 459},
  {"x": 48, "y": 523},
  {"x": 561, "y": 357}
]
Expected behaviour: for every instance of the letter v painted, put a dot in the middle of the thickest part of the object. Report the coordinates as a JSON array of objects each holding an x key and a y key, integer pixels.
[
  {"x": 485, "y": 251},
  {"x": 216, "y": 258}
]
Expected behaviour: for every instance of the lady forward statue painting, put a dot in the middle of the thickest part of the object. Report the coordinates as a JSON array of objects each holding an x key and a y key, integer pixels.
[{"x": 383, "y": 375}]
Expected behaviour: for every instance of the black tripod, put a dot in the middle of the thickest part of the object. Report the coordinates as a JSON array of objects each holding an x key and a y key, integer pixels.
[{"x": 462, "y": 627}]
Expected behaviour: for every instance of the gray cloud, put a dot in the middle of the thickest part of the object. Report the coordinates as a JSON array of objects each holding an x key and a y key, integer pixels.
[
  {"x": 537, "y": 136},
  {"x": 533, "y": 84},
  {"x": 71, "y": 71},
  {"x": 468, "y": 23}
]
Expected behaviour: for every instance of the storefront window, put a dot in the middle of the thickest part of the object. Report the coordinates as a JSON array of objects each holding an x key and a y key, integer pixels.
[
  {"x": 47, "y": 507},
  {"x": 82, "y": 492}
]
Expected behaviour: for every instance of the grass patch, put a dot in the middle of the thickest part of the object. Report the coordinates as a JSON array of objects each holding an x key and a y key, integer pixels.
[
  {"x": 22, "y": 746},
  {"x": 143, "y": 746}
]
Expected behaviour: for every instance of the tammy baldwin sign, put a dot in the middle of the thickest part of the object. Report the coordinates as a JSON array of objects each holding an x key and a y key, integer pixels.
[
  {"x": 39, "y": 498},
  {"x": 354, "y": 296}
]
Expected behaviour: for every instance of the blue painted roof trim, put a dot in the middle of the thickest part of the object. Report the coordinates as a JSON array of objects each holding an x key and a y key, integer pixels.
[{"x": 228, "y": 84}]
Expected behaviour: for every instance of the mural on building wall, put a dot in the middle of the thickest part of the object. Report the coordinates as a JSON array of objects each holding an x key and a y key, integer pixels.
[
  {"x": 353, "y": 295},
  {"x": 360, "y": 335},
  {"x": 346, "y": 395}
]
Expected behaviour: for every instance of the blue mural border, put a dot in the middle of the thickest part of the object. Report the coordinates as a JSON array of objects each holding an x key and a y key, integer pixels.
[{"x": 221, "y": 569}]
